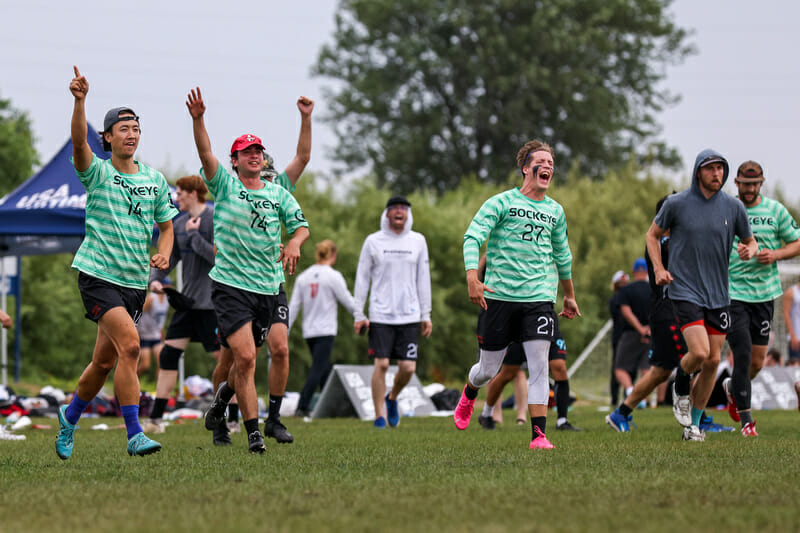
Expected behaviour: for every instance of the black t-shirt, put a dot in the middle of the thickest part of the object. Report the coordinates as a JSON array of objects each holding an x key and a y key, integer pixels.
[
  {"x": 616, "y": 318},
  {"x": 636, "y": 295}
]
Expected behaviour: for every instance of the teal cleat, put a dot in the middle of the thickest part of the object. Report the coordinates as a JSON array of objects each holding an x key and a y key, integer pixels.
[
  {"x": 141, "y": 445},
  {"x": 64, "y": 438}
]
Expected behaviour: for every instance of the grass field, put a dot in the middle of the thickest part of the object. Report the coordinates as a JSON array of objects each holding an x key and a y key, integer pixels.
[{"x": 343, "y": 475}]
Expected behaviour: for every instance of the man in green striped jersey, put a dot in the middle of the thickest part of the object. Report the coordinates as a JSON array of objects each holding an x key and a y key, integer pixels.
[
  {"x": 527, "y": 234},
  {"x": 754, "y": 285},
  {"x": 247, "y": 272},
  {"x": 123, "y": 198}
]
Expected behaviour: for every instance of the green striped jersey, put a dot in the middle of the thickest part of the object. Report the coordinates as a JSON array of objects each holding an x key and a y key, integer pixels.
[
  {"x": 282, "y": 180},
  {"x": 528, "y": 250},
  {"x": 120, "y": 210},
  {"x": 773, "y": 226},
  {"x": 247, "y": 232}
]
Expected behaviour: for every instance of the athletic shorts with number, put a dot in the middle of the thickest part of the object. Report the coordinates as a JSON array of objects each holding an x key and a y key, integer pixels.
[
  {"x": 667, "y": 344},
  {"x": 515, "y": 355},
  {"x": 100, "y": 296},
  {"x": 502, "y": 323},
  {"x": 716, "y": 321},
  {"x": 198, "y": 325},
  {"x": 236, "y": 307},
  {"x": 389, "y": 341},
  {"x": 754, "y": 317},
  {"x": 281, "y": 314}
]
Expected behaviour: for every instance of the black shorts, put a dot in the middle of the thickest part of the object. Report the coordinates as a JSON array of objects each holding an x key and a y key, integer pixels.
[
  {"x": 393, "y": 341},
  {"x": 236, "y": 307},
  {"x": 753, "y": 317},
  {"x": 149, "y": 343},
  {"x": 100, "y": 296},
  {"x": 281, "y": 313},
  {"x": 632, "y": 354},
  {"x": 502, "y": 323},
  {"x": 198, "y": 325},
  {"x": 716, "y": 321},
  {"x": 667, "y": 345}
]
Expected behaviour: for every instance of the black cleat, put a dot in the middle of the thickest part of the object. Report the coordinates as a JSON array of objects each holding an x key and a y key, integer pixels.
[
  {"x": 276, "y": 430},
  {"x": 486, "y": 422},
  {"x": 566, "y": 426},
  {"x": 216, "y": 413},
  {"x": 256, "y": 442},
  {"x": 222, "y": 436}
]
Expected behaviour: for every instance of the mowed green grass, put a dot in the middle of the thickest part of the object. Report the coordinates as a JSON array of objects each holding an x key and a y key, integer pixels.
[{"x": 343, "y": 475}]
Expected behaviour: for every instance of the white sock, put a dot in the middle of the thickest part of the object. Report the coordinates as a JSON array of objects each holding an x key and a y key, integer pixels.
[
  {"x": 560, "y": 421},
  {"x": 487, "y": 410}
]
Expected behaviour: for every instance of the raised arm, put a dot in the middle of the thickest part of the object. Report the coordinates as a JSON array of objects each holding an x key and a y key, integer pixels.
[
  {"x": 197, "y": 108},
  {"x": 81, "y": 152},
  {"x": 303, "y": 155}
]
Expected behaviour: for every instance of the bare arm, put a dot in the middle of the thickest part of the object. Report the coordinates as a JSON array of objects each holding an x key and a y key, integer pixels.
[
  {"x": 295, "y": 168},
  {"x": 81, "y": 152},
  {"x": 630, "y": 318},
  {"x": 747, "y": 248},
  {"x": 570, "y": 309},
  {"x": 766, "y": 256},
  {"x": 197, "y": 109},
  {"x": 291, "y": 252},
  {"x": 653, "y": 238},
  {"x": 165, "y": 238},
  {"x": 788, "y": 298}
]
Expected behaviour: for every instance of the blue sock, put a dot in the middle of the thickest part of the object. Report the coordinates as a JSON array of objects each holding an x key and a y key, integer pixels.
[
  {"x": 697, "y": 414},
  {"x": 131, "y": 415},
  {"x": 75, "y": 409}
]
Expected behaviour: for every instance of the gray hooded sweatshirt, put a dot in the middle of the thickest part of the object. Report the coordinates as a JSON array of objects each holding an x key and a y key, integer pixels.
[{"x": 701, "y": 239}]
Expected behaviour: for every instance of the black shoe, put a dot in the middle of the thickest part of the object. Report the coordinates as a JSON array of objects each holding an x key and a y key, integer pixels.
[
  {"x": 222, "y": 436},
  {"x": 566, "y": 426},
  {"x": 256, "y": 442},
  {"x": 216, "y": 413},
  {"x": 276, "y": 430},
  {"x": 302, "y": 413},
  {"x": 486, "y": 422}
]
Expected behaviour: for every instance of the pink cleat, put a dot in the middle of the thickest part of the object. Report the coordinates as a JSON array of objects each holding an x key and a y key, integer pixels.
[
  {"x": 541, "y": 442},
  {"x": 463, "y": 411},
  {"x": 749, "y": 430}
]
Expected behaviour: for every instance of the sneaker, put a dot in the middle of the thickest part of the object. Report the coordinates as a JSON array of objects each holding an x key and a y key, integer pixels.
[
  {"x": 681, "y": 408},
  {"x": 749, "y": 429},
  {"x": 566, "y": 426},
  {"x": 65, "y": 435},
  {"x": 256, "y": 441},
  {"x": 618, "y": 422},
  {"x": 693, "y": 433},
  {"x": 540, "y": 442},
  {"x": 216, "y": 413},
  {"x": 7, "y": 435},
  {"x": 274, "y": 429},
  {"x": 392, "y": 413},
  {"x": 486, "y": 422},
  {"x": 707, "y": 424},
  {"x": 222, "y": 435},
  {"x": 154, "y": 427},
  {"x": 234, "y": 426},
  {"x": 379, "y": 423},
  {"x": 463, "y": 411},
  {"x": 141, "y": 445},
  {"x": 726, "y": 384}
]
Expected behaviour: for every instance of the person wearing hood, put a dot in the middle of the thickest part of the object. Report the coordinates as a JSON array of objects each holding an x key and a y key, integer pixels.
[
  {"x": 754, "y": 285},
  {"x": 702, "y": 221},
  {"x": 393, "y": 269},
  {"x": 526, "y": 257}
]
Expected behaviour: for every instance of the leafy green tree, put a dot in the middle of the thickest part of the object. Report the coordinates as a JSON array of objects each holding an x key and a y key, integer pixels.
[
  {"x": 430, "y": 91},
  {"x": 17, "y": 154}
]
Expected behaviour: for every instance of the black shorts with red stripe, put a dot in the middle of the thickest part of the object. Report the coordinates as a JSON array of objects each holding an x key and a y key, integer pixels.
[{"x": 715, "y": 321}]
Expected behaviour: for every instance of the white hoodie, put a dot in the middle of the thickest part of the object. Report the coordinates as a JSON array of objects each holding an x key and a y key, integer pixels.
[
  {"x": 397, "y": 266},
  {"x": 317, "y": 289}
]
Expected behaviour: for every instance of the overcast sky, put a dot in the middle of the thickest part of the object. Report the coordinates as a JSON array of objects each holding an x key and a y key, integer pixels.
[{"x": 738, "y": 93}]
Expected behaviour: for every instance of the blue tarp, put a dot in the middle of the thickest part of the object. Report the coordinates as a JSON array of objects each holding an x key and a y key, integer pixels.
[{"x": 46, "y": 214}]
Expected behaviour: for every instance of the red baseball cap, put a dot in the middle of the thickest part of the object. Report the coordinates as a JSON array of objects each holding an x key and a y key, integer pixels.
[{"x": 243, "y": 141}]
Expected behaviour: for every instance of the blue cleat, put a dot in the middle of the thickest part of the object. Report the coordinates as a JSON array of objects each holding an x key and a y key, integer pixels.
[
  {"x": 140, "y": 444},
  {"x": 392, "y": 413},
  {"x": 618, "y": 422},
  {"x": 380, "y": 423},
  {"x": 64, "y": 438},
  {"x": 707, "y": 424}
]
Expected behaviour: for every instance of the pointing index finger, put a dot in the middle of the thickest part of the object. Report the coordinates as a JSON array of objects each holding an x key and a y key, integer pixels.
[{"x": 77, "y": 72}]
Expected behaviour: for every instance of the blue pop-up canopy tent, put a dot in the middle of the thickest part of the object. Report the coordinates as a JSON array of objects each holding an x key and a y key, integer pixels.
[{"x": 46, "y": 214}]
